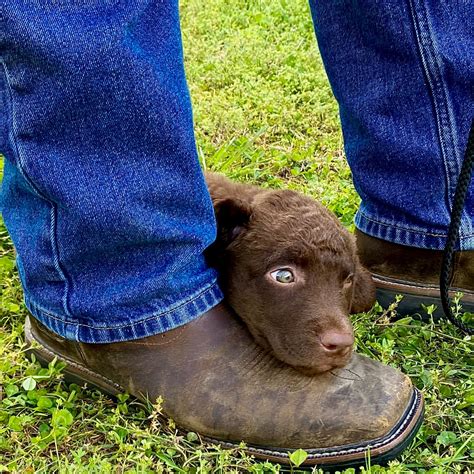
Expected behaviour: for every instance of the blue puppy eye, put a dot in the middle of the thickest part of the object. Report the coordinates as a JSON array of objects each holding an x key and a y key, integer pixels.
[{"x": 283, "y": 276}]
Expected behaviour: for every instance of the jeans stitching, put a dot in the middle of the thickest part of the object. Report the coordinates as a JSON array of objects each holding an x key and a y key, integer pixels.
[
  {"x": 21, "y": 165},
  {"x": 397, "y": 226},
  {"x": 190, "y": 300},
  {"x": 440, "y": 100},
  {"x": 449, "y": 126},
  {"x": 430, "y": 79}
]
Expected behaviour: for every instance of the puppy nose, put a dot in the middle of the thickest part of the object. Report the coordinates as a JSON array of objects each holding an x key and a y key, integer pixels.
[{"x": 337, "y": 342}]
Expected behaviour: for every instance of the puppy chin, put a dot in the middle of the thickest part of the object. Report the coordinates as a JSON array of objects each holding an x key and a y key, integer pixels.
[
  {"x": 310, "y": 361},
  {"x": 321, "y": 367},
  {"x": 311, "y": 371}
]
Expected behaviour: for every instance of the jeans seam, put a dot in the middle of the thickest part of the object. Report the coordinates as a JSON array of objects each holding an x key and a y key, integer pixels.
[
  {"x": 440, "y": 100},
  {"x": 397, "y": 226},
  {"x": 21, "y": 165},
  {"x": 172, "y": 309}
]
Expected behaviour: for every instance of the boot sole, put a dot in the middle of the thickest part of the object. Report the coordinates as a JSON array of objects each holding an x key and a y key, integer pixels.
[
  {"x": 379, "y": 450},
  {"x": 415, "y": 296}
]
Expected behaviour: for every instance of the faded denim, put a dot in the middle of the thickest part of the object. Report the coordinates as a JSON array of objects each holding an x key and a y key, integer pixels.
[
  {"x": 103, "y": 194},
  {"x": 403, "y": 74}
]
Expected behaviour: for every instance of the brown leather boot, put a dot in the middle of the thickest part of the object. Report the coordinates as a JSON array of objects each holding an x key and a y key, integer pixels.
[
  {"x": 217, "y": 381},
  {"x": 414, "y": 273}
]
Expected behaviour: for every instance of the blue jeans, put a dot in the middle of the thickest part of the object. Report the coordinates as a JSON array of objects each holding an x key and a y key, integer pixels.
[
  {"x": 403, "y": 74},
  {"x": 103, "y": 195}
]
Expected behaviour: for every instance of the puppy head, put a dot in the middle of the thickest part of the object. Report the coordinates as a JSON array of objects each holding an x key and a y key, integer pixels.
[{"x": 290, "y": 270}]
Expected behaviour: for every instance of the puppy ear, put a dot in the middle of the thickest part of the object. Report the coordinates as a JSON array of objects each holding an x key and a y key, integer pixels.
[
  {"x": 232, "y": 217},
  {"x": 364, "y": 290}
]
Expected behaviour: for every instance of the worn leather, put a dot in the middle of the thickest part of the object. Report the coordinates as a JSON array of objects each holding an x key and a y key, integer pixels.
[
  {"x": 413, "y": 264},
  {"x": 217, "y": 381}
]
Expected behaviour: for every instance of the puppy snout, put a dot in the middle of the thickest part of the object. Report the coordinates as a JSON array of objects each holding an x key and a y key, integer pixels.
[{"x": 337, "y": 343}]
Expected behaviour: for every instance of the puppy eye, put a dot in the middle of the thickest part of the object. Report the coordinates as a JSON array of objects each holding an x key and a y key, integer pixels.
[{"x": 283, "y": 276}]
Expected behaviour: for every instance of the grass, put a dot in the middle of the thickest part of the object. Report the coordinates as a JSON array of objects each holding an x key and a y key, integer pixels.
[{"x": 264, "y": 114}]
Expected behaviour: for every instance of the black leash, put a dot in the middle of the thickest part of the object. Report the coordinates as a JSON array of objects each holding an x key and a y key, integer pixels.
[{"x": 462, "y": 187}]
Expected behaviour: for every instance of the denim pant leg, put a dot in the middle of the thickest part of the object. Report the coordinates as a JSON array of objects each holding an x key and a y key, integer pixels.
[
  {"x": 403, "y": 74},
  {"x": 103, "y": 195}
]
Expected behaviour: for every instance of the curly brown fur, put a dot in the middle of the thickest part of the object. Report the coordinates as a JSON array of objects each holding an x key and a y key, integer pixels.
[{"x": 260, "y": 231}]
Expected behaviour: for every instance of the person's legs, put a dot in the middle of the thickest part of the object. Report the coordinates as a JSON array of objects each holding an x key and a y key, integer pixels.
[
  {"x": 103, "y": 193},
  {"x": 403, "y": 74},
  {"x": 106, "y": 205}
]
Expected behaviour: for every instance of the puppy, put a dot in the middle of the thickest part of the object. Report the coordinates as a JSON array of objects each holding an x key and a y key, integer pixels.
[{"x": 290, "y": 271}]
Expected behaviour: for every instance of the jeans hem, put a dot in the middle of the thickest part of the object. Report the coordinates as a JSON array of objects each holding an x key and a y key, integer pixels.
[
  {"x": 404, "y": 235},
  {"x": 179, "y": 314}
]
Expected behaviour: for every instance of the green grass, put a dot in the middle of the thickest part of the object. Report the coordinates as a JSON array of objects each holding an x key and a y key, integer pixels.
[{"x": 264, "y": 114}]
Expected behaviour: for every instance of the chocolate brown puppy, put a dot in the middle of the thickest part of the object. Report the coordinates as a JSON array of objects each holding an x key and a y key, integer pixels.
[{"x": 289, "y": 269}]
